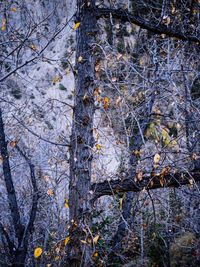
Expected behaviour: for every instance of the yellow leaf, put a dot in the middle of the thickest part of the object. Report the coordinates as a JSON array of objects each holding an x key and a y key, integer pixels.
[
  {"x": 98, "y": 136},
  {"x": 14, "y": 9},
  {"x": 80, "y": 58},
  {"x": 126, "y": 6},
  {"x": 67, "y": 240},
  {"x": 37, "y": 252},
  {"x": 140, "y": 175},
  {"x": 56, "y": 80},
  {"x": 162, "y": 182},
  {"x": 118, "y": 100},
  {"x": 84, "y": 242},
  {"x": 151, "y": 183},
  {"x": 106, "y": 100},
  {"x": 141, "y": 62},
  {"x": 156, "y": 158},
  {"x": 121, "y": 203},
  {"x": 125, "y": 57},
  {"x": 76, "y": 26},
  {"x": 163, "y": 35},
  {"x": 66, "y": 203},
  {"x": 3, "y": 27},
  {"x": 33, "y": 47},
  {"x": 67, "y": 72},
  {"x": 98, "y": 146},
  {"x": 46, "y": 178},
  {"x": 50, "y": 192},
  {"x": 95, "y": 239},
  {"x": 14, "y": 143},
  {"x": 73, "y": 93},
  {"x": 119, "y": 56},
  {"x": 168, "y": 21},
  {"x": 72, "y": 114},
  {"x": 143, "y": 190},
  {"x": 137, "y": 152},
  {"x": 56, "y": 258},
  {"x": 95, "y": 256},
  {"x": 97, "y": 67},
  {"x": 84, "y": 97}
]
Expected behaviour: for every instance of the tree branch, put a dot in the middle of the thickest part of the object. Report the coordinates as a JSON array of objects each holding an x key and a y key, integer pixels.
[
  {"x": 151, "y": 26},
  {"x": 29, "y": 227},
  {"x": 9, "y": 183},
  {"x": 152, "y": 182}
]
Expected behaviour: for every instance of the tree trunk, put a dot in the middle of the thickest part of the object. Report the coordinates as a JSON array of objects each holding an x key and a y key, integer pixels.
[{"x": 82, "y": 141}]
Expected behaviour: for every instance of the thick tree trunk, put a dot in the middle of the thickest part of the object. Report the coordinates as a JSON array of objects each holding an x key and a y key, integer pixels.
[{"x": 80, "y": 207}]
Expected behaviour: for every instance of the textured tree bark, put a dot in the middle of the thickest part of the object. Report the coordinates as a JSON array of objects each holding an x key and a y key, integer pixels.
[{"x": 80, "y": 207}]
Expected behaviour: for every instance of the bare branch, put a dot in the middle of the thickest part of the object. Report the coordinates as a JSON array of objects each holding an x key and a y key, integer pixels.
[
  {"x": 151, "y": 26},
  {"x": 9, "y": 183},
  {"x": 40, "y": 137}
]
